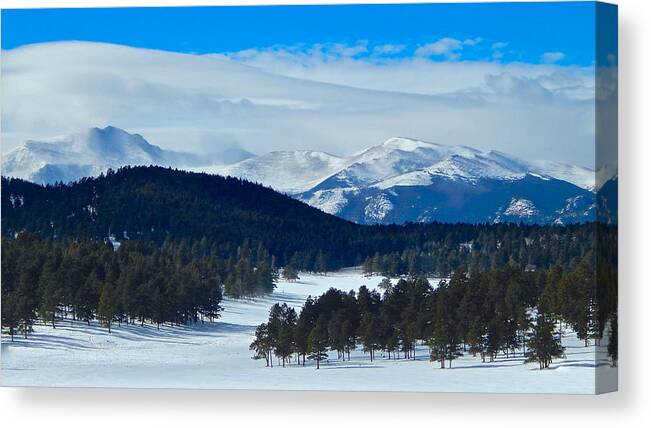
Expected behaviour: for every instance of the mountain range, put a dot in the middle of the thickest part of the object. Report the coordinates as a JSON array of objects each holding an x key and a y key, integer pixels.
[
  {"x": 400, "y": 180},
  {"x": 405, "y": 179}
]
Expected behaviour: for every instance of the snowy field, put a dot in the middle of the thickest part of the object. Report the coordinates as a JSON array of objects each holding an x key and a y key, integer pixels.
[{"x": 216, "y": 355}]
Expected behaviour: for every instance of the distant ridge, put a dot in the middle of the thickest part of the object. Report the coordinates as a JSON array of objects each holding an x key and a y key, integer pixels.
[{"x": 406, "y": 179}]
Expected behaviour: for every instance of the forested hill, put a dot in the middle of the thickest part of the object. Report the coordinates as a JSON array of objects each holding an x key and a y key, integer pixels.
[{"x": 156, "y": 205}]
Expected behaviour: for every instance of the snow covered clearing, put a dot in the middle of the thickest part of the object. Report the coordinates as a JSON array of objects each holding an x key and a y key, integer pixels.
[{"x": 216, "y": 355}]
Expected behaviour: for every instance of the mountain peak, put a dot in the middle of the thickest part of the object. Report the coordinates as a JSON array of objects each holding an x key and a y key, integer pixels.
[
  {"x": 119, "y": 145},
  {"x": 108, "y": 129},
  {"x": 110, "y": 132},
  {"x": 407, "y": 144},
  {"x": 85, "y": 153}
]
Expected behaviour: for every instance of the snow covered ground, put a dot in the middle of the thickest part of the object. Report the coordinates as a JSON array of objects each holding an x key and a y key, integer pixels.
[{"x": 216, "y": 355}]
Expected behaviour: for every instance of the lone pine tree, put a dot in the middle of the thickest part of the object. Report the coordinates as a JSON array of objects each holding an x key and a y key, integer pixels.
[{"x": 544, "y": 345}]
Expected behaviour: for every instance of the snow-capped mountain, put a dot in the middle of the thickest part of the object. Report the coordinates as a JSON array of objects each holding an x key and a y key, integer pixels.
[
  {"x": 409, "y": 162},
  {"x": 396, "y": 162},
  {"x": 90, "y": 153},
  {"x": 405, "y": 179},
  {"x": 530, "y": 199}
]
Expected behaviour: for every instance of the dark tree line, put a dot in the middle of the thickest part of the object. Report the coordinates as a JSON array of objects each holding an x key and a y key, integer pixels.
[
  {"x": 158, "y": 205},
  {"x": 490, "y": 247},
  {"x": 53, "y": 280},
  {"x": 502, "y": 311}
]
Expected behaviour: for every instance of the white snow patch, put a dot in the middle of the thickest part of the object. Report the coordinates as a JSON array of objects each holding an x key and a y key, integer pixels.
[
  {"x": 577, "y": 175},
  {"x": 521, "y": 208},
  {"x": 16, "y": 200},
  {"x": 114, "y": 242},
  {"x": 330, "y": 201},
  {"x": 377, "y": 208}
]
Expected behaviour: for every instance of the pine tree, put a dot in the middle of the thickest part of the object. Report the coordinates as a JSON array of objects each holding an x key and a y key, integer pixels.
[
  {"x": 26, "y": 297},
  {"x": 444, "y": 342},
  {"x": 367, "y": 266},
  {"x": 9, "y": 274},
  {"x": 127, "y": 289},
  {"x": 582, "y": 301},
  {"x": 523, "y": 323},
  {"x": 336, "y": 333},
  {"x": 438, "y": 344},
  {"x": 321, "y": 262},
  {"x": 286, "y": 344},
  {"x": 106, "y": 308},
  {"x": 290, "y": 274},
  {"x": 10, "y": 317},
  {"x": 476, "y": 337},
  {"x": 304, "y": 326},
  {"x": 160, "y": 300},
  {"x": 87, "y": 298},
  {"x": 369, "y": 333},
  {"x": 385, "y": 285},
  {"x": 211, "y": 307},
  {"x": 262, "y": 344},
  {"x": 318, "y": 342},
  {"x": 50, "y": 293},
  {"x": 544, "y": 345},
  {"x": 348, "y": 336}
]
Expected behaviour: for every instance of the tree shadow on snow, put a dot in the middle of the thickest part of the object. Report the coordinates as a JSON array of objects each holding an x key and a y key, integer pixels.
[
  {"x": 349, "y": 366},
  {"x": 95, "y": 336},
  {"x": 494, "y": 365}
]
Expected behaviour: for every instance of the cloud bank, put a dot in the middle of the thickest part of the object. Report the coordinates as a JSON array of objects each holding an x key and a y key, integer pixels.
[
  {"x": 552, "y": 57},
  {"x": 333, "y": 97}
]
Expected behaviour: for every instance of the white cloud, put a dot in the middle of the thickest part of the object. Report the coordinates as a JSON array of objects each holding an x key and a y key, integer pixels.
[
  {"x": 405, "y": 74},
  {"x": 497, "y": 49},
  {"x": 340, "y": 49},
  {"x": 303, "y": 53},
  {"x": 524, "y": 88},
  {"x": 446, "y": 46},
  {"x": 552, "y": 57},
  {"x": 388, "y": 49},
  {"x": 473, "y": 42},
  {"x": 499, "y": 45},
  {"x": 324, "y": 97}
]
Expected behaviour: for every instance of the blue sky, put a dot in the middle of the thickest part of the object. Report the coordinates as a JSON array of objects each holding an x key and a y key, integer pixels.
[{"x": 522, "y": 32}]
